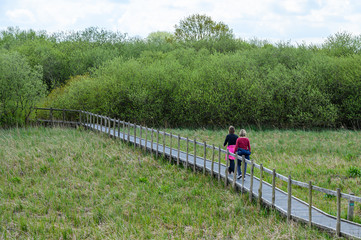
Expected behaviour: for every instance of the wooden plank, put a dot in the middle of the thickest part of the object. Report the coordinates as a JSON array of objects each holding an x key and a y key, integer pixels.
[{"x": 324, "y": 190}]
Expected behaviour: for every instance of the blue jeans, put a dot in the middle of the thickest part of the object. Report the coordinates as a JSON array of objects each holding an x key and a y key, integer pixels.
[{"x": 246, "y": 154}]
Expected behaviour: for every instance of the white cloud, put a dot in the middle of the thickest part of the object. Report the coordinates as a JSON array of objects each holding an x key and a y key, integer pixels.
[
  {"x": 265, "y": 19},
  {"x": 21, "y": 16}
]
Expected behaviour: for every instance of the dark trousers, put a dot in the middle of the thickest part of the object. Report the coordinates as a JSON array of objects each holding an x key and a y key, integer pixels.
[{"x": 231, "y": 166}]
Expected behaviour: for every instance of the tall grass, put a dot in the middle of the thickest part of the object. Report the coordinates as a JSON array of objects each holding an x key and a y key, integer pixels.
[
  {"x": 329, "y": 158},
  {"x": 65, "y": 183}
]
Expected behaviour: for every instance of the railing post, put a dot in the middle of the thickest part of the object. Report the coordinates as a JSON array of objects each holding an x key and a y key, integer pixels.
[
  {"x": 152, "y": 141},
  {"x": 146, "y": 139},
  {"x": 170, "y": 148},
  {"x": 178, "y": 153},
  {"x": 212, "y": 166},
  {"x": 123, "y": 130},
  {"x": 157, "y": 148},
  {"x": 251, "y": 183},
  {"x": 338, "y": 222},
  {"x": 273, "y": 187},
  {"x": 350, "y": 208},
  {"x": 226, "y": 172},
  {"x": 204, "y": 158},
  {"x": 109, "y": 126},
  {"x": 260, "y": 186},
  {"x": 113, "y": 128},
  {"x": 119, "y": 128},
  {"x": 195, "y": 156},
  {"x": 164, "y": 144},
  {"x": 63, "y": 117},
  {"x": 235, "y": 170},
  {"x": 128, "y": 137},
  {"x": 135, "y": 135},
  {"x": 140, "y": 136},
  {"x": 243, "y": 171},
  {"x": 98, "y": 123},
  {"x": 219, "y": 163},
  {"x": 80, "y": 123},
  {"x": 51, "y": 117},
  {"x": 187, "y": 153},
  {"x": 289, "y": 201},
  {"x": 310, "y": 204}
]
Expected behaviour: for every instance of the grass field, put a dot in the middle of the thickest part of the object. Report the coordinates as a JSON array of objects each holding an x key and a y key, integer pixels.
[
  {"x": 329, "y": 158},
  {"x": 75, "y": 184}
]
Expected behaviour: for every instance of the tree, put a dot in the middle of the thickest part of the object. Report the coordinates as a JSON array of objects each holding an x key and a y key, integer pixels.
[
  {"x": 342, "y": 44},
  {"x": 20, "y": 88},
  {"x": 201, "y": 27}
]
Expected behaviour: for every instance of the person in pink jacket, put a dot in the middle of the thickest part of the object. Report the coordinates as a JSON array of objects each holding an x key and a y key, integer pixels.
[{"x": 231, "y": 139}]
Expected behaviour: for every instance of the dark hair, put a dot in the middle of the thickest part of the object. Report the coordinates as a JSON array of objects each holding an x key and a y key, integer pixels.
[{"x": 231, "y": 130}]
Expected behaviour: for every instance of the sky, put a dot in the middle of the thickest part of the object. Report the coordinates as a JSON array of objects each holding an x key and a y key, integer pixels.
[{"x": 296, "y": 21}]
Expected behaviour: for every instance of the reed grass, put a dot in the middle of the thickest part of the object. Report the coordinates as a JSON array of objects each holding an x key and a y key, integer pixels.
[{"x": 74, "y": 184}]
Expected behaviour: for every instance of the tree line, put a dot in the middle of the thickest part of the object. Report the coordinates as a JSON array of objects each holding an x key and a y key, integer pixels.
[{"x": 200, "y": 75}]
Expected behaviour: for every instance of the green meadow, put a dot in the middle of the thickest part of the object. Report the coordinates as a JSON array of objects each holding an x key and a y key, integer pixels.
[{"x": 73, "y": 184}]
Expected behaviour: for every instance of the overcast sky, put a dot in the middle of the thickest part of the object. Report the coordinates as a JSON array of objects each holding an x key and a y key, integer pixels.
[{"x": 310, "y": 21}]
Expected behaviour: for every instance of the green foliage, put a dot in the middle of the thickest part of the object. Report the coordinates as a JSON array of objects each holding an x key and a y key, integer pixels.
[
  {"x": 200, "y": 75},
  {"x": 201, "y": 27},
  {"x": 20, "y": 88},
  {"x": 281, "y": 86},
  {"x": 354, "y": 171}
]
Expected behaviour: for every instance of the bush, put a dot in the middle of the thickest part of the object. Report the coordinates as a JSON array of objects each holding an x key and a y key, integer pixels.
[{"x": 20, "y": 88}]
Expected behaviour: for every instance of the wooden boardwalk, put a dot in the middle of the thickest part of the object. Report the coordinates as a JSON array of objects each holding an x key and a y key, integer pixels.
[{"x": 299, "y": 208}]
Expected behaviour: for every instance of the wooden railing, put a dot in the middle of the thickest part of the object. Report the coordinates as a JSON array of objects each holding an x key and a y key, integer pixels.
[{"x": 93, "y": 121}]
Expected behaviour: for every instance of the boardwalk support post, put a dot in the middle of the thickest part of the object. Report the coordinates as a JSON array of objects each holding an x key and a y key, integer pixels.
[
  {"x": 243, "y": 171},
  {"x": 273, "y": 187},
  {"x": 212, "y": 166},
  {"x": 350, "y": 208},
  {"x": 289, "y": 194},
  {"x": 187, "y": 152},
  {"x": 128, "y": 137},
  {"x": 51, "y": 117},
  {"x": 219, "y": 163},
  {"x": 251, "y": 183},
  {"x": 204, "y": 158},
  {"x": 152, "y": 141},
  {"x": 195, "y": 155},
  {"x": 164, "y": 144},
  {"x": 235, "y": 171},
  {"x": 260, "y": 186},
  {"x": 109, "y": 126},
  {"x": 170, "y": 148},
  {"x": 178, "y": 153},
  {"x": 135, "y": 135},
  {"x": 310, "y": 204},
  {"x": 226, "y": 172},
  {"x": 157, "y": 149},
  {"x": 338, "y": 222}
]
